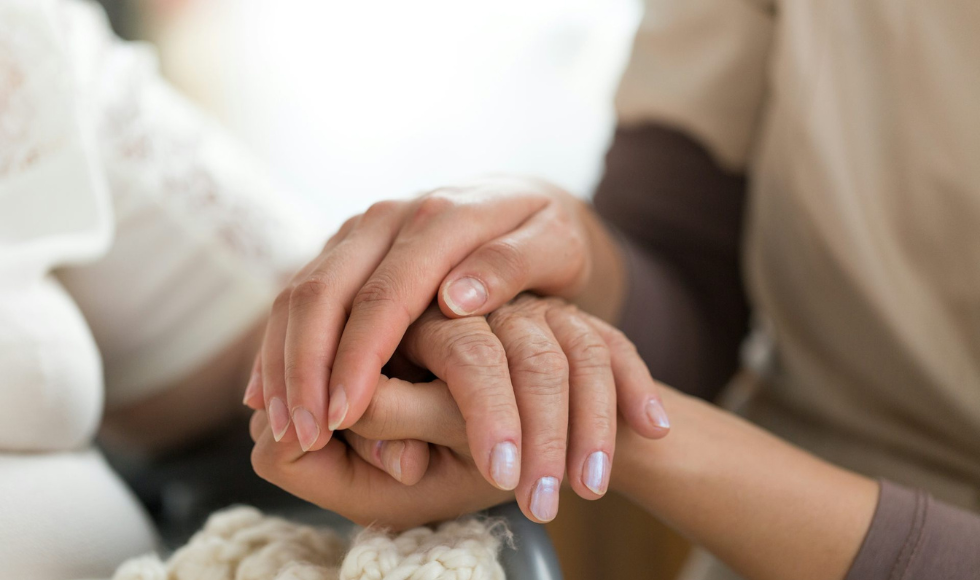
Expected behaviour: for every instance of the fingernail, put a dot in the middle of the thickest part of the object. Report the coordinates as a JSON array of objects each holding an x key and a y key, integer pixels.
[
  {"x": 465, "y": 296},
  {"x": 657, "y": 414},
  {"x": 278, "y": 418},
  {"x": 596, "y": 475},
  {"x": 544, "y": 499},
  {"x": 504, "y": 465},
  {"x": 307, "y": 429},
  {"x": 253, "y": 384},
  {"x": 392, "y": 455},
  {"x": 338, "y": 408}
]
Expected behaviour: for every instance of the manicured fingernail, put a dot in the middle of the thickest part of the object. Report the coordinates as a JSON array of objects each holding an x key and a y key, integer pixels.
[
  {"x": 596, "y": 476},
  {"x": 544, "y": 499},
  {"x": 392, "y": 458},
  {"x": 465, "y": 296},
  {"x": 338, "y": 408},
  {"x": 278, "y": 418},
  {"x": 657, "y": 414},
  {"x": 504, "y": 465},
  {"x": 307, "y": 429},
  {"x": 253, "y": 385}
]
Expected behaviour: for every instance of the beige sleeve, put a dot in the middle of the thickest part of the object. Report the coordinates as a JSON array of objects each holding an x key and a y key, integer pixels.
[
  {"x": 700, "y": 66},
  {"x": 202, "y": 240}
]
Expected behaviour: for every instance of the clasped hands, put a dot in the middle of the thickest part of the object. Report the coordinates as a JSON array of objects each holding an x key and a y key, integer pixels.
[{"x": 430, "y": 362}]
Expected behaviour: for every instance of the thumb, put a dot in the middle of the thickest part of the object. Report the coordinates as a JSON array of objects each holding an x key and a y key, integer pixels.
[{"x": 547, "y": 254}]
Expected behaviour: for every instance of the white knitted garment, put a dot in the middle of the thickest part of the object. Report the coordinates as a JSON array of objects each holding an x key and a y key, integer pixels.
[{"x": 241, "y": 543}]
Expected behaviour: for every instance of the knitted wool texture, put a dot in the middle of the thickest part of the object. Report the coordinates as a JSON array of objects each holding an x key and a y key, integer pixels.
[{"x": 241, "y": 543}]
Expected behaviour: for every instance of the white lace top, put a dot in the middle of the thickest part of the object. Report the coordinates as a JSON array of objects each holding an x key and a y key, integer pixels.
[{"x": 135, "y": 242}]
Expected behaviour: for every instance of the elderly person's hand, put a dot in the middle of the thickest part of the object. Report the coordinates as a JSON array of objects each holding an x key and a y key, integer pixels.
[
  {"x": 568, "y": 369},
  {"x": 472, "y": 248}
]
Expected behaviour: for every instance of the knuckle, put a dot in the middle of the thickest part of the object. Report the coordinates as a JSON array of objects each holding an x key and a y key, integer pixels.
[
  {"x": 546, "y": 360},
  {"x": 345, "y": 228},
  {"x": 550, "y": 446},
  {"x": 282, "y": 300},
  {"x": 547, "y": 367},
  {"x": 555, "y": 304},
  {"x": 431, "y": 207},
  {"x": 379, "y": 291},
  {"x": 349, "y": 223},
  {"x": 475, "y": 350},
  {"x": 588, "y": 349},
  {"x": 494, "y": 406},
  {"x": 502, "y": 318},
  {"x": 528, "y": 302},
  {"x": 310, "y": 290},
  {"x": 375, "y": 423},
  {"x": 594, "y": 360},
  {"x": 296, "y": 376},
  {"x": 603, "y": 420},
  {"x": 509, "y": 259},
  {"x": 510, "y": 317},
  {"x": 381, "y": 210}
]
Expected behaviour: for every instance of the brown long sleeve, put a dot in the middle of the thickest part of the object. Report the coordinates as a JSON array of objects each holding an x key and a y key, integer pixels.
[
  {"x": 680, "y": 216},
  {"x": 914, "y": 536}
]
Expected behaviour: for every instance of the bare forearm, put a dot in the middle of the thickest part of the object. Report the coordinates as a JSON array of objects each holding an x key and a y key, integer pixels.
[{"x": 766, "y": 508}]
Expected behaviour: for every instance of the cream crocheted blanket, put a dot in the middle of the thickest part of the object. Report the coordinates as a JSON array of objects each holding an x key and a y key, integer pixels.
[{"x": 241, "y": 543}]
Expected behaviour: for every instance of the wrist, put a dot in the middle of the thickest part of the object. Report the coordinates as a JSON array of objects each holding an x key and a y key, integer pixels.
[
  {"x": 604, "y": 290},
  {"x": 642, "y": 462}
]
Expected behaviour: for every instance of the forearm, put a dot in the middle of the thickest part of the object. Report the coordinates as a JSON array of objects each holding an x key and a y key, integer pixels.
[{"x": 767, "y": 509}]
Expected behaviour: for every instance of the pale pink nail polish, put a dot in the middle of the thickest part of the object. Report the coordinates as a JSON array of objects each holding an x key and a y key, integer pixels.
[
  {"x": 544, "y": 499},
  {"x": 596, "y": 476},
  {"x": 505, "y": 465}
]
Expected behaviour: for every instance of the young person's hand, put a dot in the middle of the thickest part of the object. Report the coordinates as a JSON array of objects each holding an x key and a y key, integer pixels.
[
  {"x": 472, "y": 248},
  {"x": 336, "y": 478},
  {"x": 563, "y": 368}
]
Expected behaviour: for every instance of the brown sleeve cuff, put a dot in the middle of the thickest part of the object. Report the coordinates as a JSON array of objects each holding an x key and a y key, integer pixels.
[
  {"x": 680, "y": 219},
  {"x": 660, "y": 317},
  {"x": 914, "y": 536}
]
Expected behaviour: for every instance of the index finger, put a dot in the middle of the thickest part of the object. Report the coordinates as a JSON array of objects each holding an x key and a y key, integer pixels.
[{"x": 439, "y": 235}]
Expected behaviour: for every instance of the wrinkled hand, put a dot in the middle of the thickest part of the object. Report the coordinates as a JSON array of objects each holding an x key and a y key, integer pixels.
[{"x": 565, "y": 370}]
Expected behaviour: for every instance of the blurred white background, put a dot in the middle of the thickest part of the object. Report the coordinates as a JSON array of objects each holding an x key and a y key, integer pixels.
[{"x": 352, "y": 102}]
